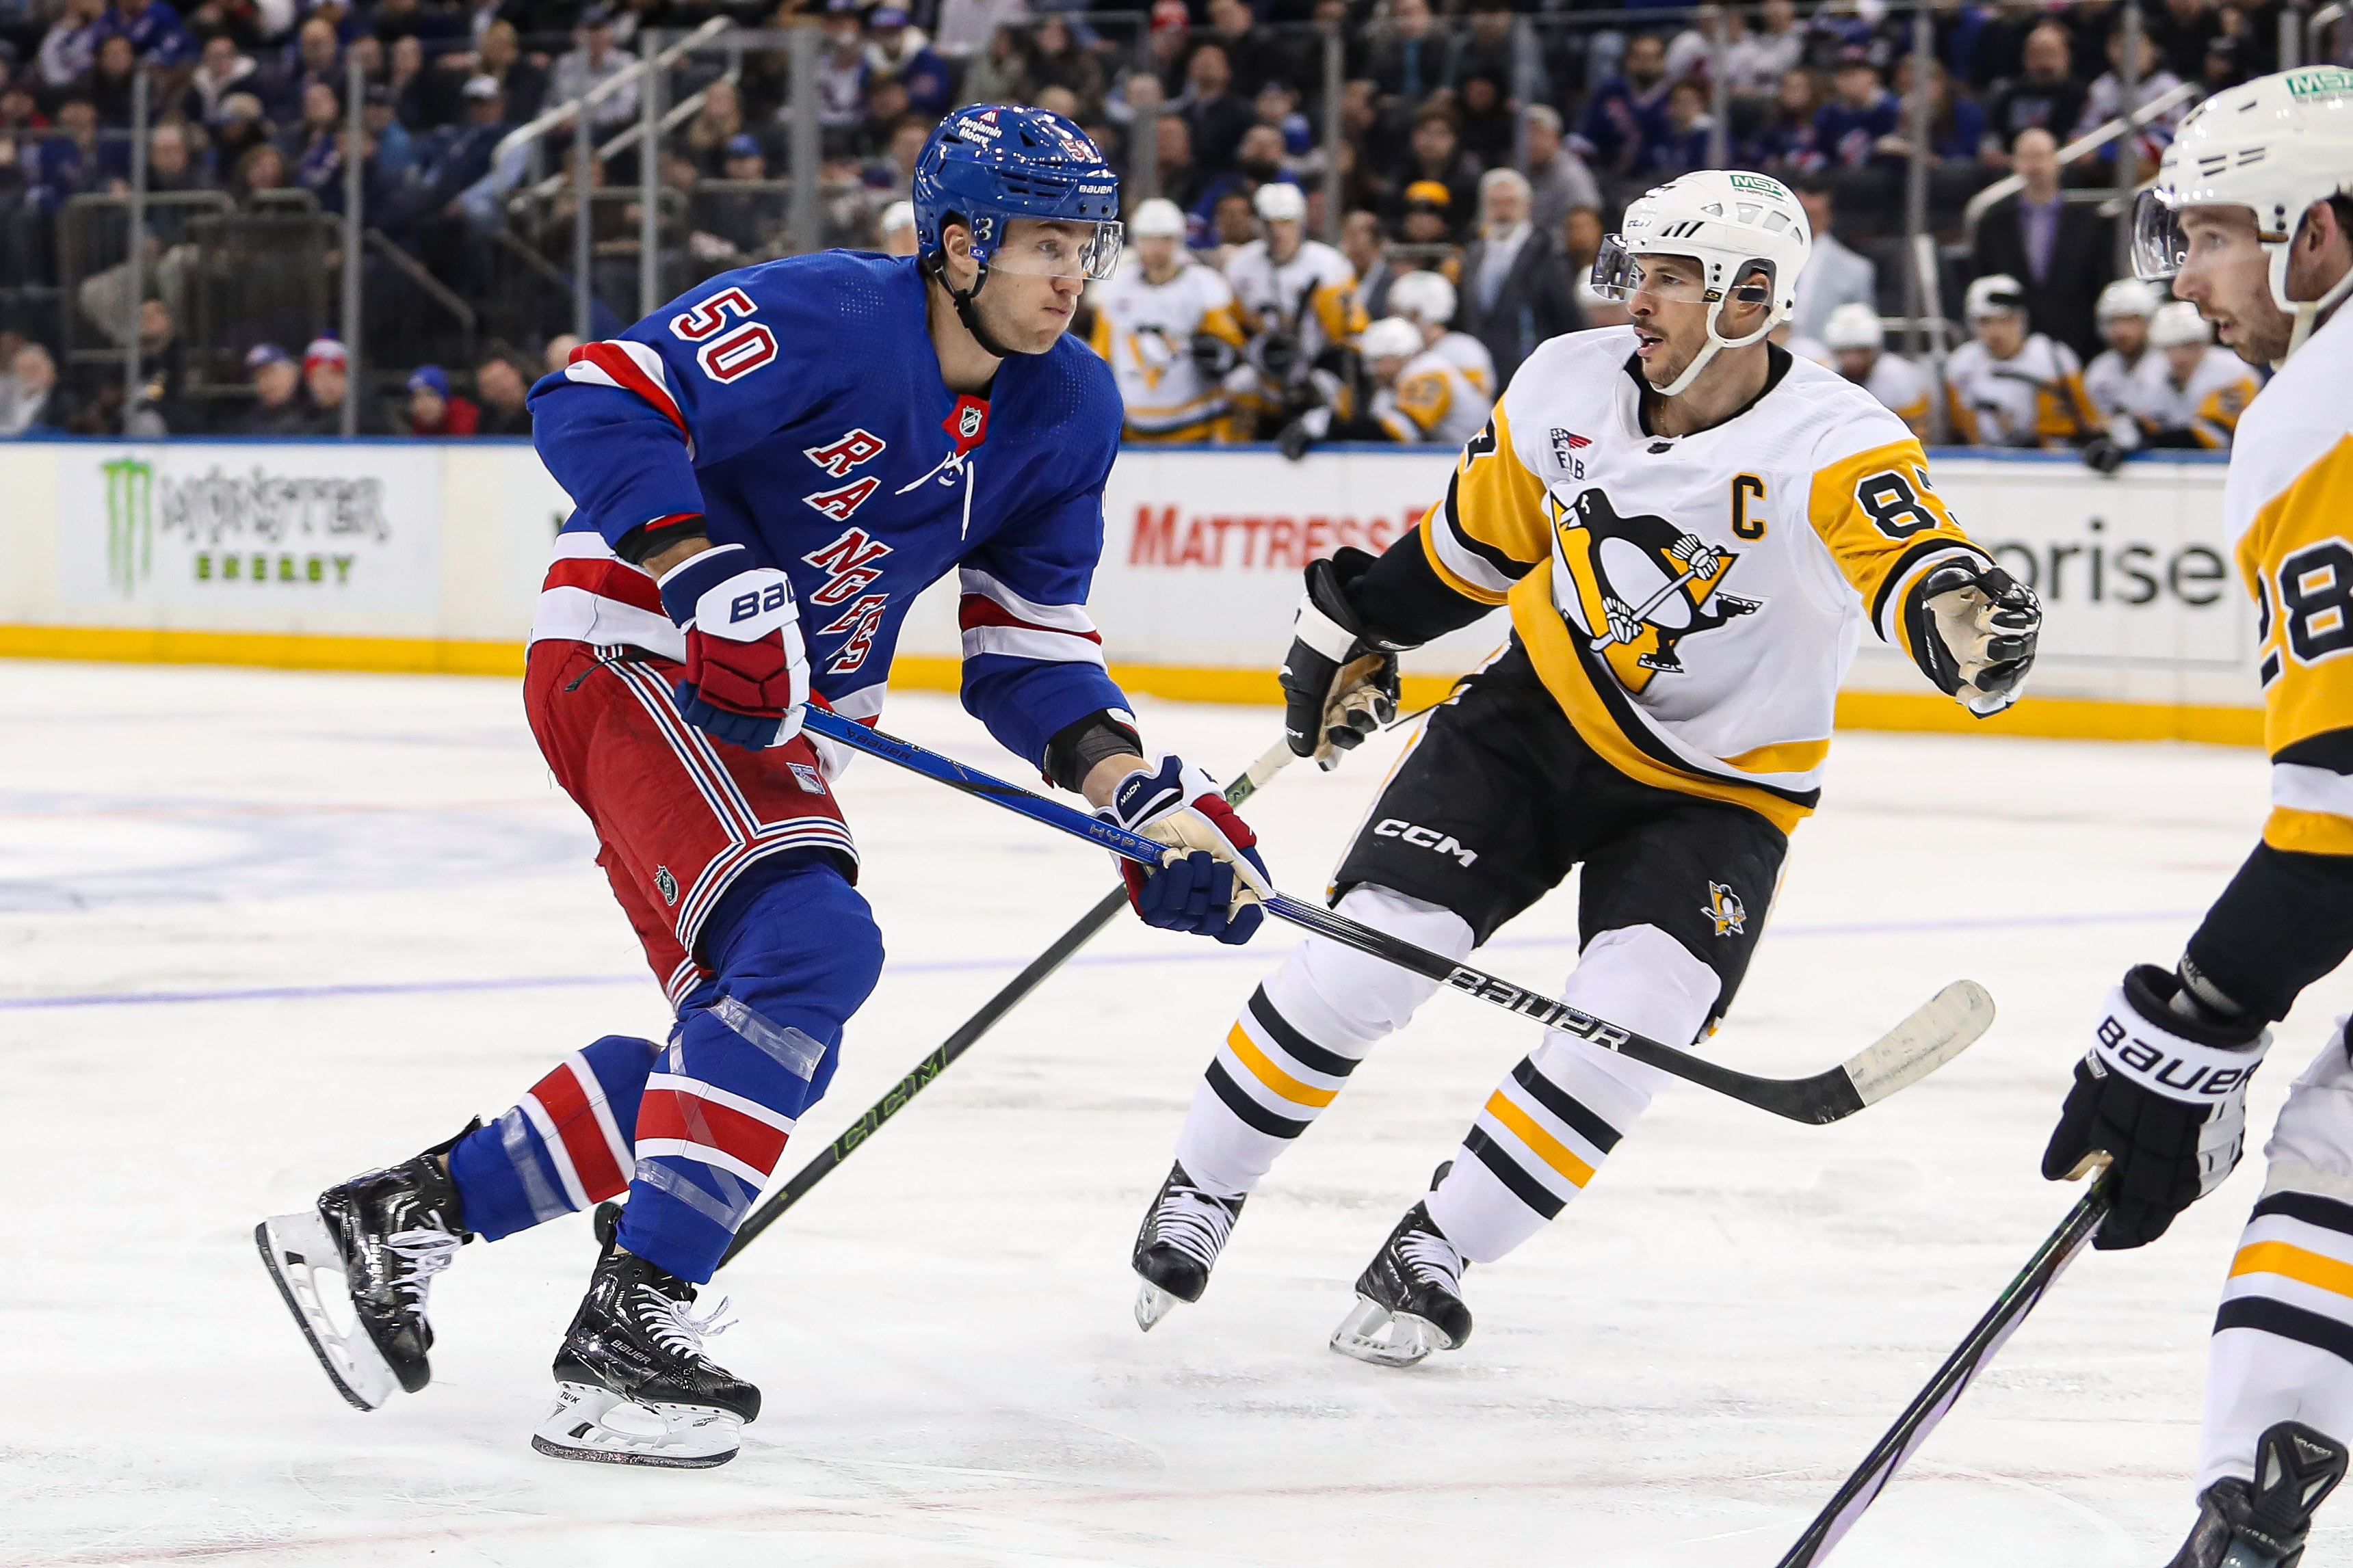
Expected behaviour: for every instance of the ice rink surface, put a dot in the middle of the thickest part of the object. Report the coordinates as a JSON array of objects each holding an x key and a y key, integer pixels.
[{"x": 265, "y": 930}]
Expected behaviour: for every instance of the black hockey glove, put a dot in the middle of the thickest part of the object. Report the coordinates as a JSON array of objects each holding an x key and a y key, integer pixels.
[
  {"x": 2106, "y": 452},
  {"x": 2162, "y": 1092},
  {"x": 1213, "y": 356},
  {"x": 1340, "y": 679},
  {"x": 1975, "y": 627},
  {"x": 1278, "y": 355}
]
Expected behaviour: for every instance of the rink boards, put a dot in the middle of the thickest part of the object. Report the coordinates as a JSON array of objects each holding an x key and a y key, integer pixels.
[{"x": 428, "y": 556}]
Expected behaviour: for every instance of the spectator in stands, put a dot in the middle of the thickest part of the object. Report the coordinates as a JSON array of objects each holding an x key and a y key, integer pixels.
[
  {"x": 897, "y": 168},
  {"x": 70, "y": 48},
  {"x": 1485, "y": 119},
  {"x": 1485, "y": 49},
  {"x": 326, "y": 373},
  {"x": 898, "y": 52},
  {"x": 1580, "y": 239},
  {"x": 591, "y": 62},
  {"x": 2059, "y": 251},
  {"x": 1785, "y": 138},
  {"x": 242, "y": 127},
  {"x": 1625, "y": 123},
  {"x": 2181, "y": 32},
  {"x": 219, "y": 72},
  {"x": 1214, "y": 114},
  {"x": 524, "y": 82},
  {"x": 261, "y": 169},
  {"x": 1366, "y": 248},
  {"x": 841, "y": 78},
  {"x": 886, "y": 111},
  {"x": 321, "y": 116},
  {"x": 40, "y": 404},
  {"x": 1408, "y": 62},
  {"x": 1231, "y": 224},
  {"x": 896, "y": 231},
  {"x": 558, "y": 353},
  {"x": 2105, "y": 102},
  {"x": 1834, "y": 274},
  {"x": 1558, "y": 177},
  {"x": 317, "y": 57},
  {"x": 1257, "y": 161},
  {"x": 2043, "y": 96},
  {"x": 434, "y": 409},
  {"x": 966, "y": 29},
  {"x": 110, "y": 80},
  {"x": 1956, "y": 123},
  {"x": 1853, "y": 128},
  {"x": 1772, "y": 47},
  {"x": 406, "y": 80},
  {"x": 1435, "y": 157},
  {"x": 999, "y": 73},
  {"x": 714, "y": 127},
  {"x": 1839, "y": 26},
  {"x": 68, "y": 164},
  {"x": 1690, "y": 132},
  {"x": 161, "y": 409},
  {"x": 153, "y": 29},
  {"x": 1251, "y": 49},
  {"x": 1277, "y": 104},
  {"x": 278, "y": 407},
  {"x": 1515, "y": 290},
  {"x": 503, "y": 387},
  {"x": 1691, "y": 54},
  {"x": 1430, "y": 221},
  {"x": 1180, "y": 177}
]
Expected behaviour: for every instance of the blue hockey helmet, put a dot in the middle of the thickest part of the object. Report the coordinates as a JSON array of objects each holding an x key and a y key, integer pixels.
[{"x": 992, "y": 164}]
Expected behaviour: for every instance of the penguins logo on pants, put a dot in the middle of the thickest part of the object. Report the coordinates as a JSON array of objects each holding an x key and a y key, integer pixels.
[
  {"x": 1725, "y": 908},
  {"x": 1641, "y": 585}
]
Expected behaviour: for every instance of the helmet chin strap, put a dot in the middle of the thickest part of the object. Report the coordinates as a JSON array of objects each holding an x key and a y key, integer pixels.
[
  {"x": 2306, "y": 312},
  {"x": 963, "y": 300},
  {"x": 1716, "y": 341}
]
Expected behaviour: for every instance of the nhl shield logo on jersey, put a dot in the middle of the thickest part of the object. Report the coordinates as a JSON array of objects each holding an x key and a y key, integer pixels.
[
  {"x": 667, "y": 885},
  {"x": 1638, "y": 586},
  {"x": 1725, "y": 908}
]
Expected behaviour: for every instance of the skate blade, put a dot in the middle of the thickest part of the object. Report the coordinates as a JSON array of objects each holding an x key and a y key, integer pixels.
[
  {"x": 296, "y": 1248},
  {"x": 595, "y": 1425},
  {"x": 1372, "y": 1333},
  {"x": 1152, "y": 1303}
]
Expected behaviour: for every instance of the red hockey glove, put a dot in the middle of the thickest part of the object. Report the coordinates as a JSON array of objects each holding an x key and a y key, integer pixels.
[{"x": 747, "y": 679}]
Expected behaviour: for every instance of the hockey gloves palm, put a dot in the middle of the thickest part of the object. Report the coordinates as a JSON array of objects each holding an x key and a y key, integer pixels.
[
  {"x": 1975, "y": 627},
  {"x": 2163, "y": 1094},
  {"x": 747, "y": 679},
  {"x": 1339, "y": 681},
  {"x": 1214, "y": 888}
]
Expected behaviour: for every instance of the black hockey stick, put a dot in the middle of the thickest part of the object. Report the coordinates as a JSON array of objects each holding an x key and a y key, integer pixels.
[
  {"x": 1947, "y": 1025},
  {"x": 1936, "y": 1401},
  {"x": 1275, "y": 759}
]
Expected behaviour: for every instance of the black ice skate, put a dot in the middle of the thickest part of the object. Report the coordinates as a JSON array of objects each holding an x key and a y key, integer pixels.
[
  {"x": 1182, "y": 1232},
  {"x": 1408, "y": 1298},
  {"x": 633, "y": 1386},
  {"x": 387, "y": 1233},
  {"x": 2263, "y": 1525}
]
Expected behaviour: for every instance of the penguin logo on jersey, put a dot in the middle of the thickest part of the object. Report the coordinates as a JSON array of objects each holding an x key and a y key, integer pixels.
[
  {"x": 1638, "y": 586},
  {"x": 1725, "y": 908}
]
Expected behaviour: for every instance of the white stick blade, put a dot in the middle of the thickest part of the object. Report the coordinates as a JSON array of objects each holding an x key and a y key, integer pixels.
[{"x": 1947, "y": 1025}]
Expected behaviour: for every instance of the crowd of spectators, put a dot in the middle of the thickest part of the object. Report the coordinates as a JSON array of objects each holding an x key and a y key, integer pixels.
[{"x": 247, "y": 100}]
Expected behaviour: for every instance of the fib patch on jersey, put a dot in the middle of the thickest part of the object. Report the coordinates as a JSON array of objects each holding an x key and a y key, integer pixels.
[{"x": 1638, "y": 588}]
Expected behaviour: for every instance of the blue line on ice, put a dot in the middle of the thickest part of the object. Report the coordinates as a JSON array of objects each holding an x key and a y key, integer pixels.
[{"x": 956, "y": 965}]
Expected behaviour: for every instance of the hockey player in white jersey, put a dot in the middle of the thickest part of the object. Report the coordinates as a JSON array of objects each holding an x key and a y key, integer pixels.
[
  {"x": 1418, "y": 395},
  {"x": 1297, "y": 298},
  {"x": 2250, "y": 216},
  {"x": 1692, "y": 530},
  {"x": 2191, "y": 391},
  {"x": 2013, "y": 386},
  {"x": 1857, "y": 341},
  {"x": 1166, "y": 326},
  {"x": 1428, "y": 300},
  {"x": 2125, "y": 309}
]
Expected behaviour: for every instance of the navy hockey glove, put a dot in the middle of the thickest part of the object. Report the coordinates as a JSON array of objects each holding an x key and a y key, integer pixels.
[
  {"x": 1214, "y": 890},
  {"x": 2162, "y": 1092},
  {"x": 1339, "y": 680},
  {"x": 1975, "y": 627},
  {"x": 747, "y": 679}
]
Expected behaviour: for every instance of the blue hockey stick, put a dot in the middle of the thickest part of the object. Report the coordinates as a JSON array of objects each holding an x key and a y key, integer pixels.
[{"x": 1946, "y": 1026}]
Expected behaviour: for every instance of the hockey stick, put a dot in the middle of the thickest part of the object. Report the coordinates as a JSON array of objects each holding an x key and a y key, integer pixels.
[
  {"x": 1934, "y": 1035},
  {"x": 1934, "y": 1402},
  {"x": 1276, "y": 758}
]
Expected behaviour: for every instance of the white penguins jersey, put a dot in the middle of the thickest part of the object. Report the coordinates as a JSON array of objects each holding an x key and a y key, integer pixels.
[
  {"x": 2108, "y": 382},
  {"x": 1902, "y": 389},
  {"x": 1693, "y": 602},
  {"x": 1469, "y": 355},
  {"x": 1312, "y": 295},
  {"x": 1434, "y": 401},
  {"x": 2207, "y": 406},
  {"x": 2035, "y": 398},
  {"x": 1145, "y": 332}
]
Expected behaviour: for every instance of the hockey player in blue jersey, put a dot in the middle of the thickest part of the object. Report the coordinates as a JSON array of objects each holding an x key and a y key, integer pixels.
[{"x": 767, "y": 473}]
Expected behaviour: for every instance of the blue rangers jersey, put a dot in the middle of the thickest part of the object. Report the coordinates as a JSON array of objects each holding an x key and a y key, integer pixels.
[{"x": 798, "y": 406}]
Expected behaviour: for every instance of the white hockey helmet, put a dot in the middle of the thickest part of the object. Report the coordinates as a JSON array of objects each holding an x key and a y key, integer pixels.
[
  {"x": 1280, "y": 200},
  {"x": 2178, "y": 324},
  {"x": 2127, "y": 297},
  {"x": 896, "y": 216},
  {"x": 1995, "y": 294},
  {"x": 2273, "y": 145},
  {"x": 1854, "y": 326},
  {"x": 1424, "y": 297},
  {"x": 1731, "y": 222},
  {"x": 1158, "y": 218},
  {"x": 1391, "y": 337}
]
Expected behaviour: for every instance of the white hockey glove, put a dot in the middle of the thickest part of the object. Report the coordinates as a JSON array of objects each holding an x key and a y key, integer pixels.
[
  {"x": 1339, "y": 680},
  {"x": 2161, "y": 1096},
  {"x": 1975, "y": 627}
]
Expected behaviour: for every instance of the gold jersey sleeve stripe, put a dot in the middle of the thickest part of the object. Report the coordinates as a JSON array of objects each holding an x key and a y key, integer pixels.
[
  {"x": 1541, "y": 1143},
  {"x": 1425, "y": 399},
  {"x": 1787, "y": 757},
  {"x": 2308, "y": 832},
  {"x": 2293, "y": 558},
  {"x": 1273, "y": 1077},
  {"x": 2291, "y": 1261},
  {"x": 1221, "y": 322}
]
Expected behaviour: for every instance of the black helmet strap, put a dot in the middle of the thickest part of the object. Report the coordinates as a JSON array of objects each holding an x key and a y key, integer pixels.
[{"x": 936, "y": 264}]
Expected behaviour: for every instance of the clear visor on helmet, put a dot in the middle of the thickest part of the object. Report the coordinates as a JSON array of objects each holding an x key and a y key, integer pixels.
[
  {"x": 2159, "y": 250},
  {"x": 1058, "y": 248},
  {"x": 1619, "y": 274}
]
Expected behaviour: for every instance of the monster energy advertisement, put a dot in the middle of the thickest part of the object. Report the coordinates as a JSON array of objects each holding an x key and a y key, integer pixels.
[{"x": 252, "y": 537}]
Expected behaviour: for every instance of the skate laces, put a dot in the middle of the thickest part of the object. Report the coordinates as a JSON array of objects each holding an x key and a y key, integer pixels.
[
  {"x": 676, "y": 1326},
  {"x": 1433, "y": 1260},
  {"x": 427, "y": 1253},
  {"x": 1192, "y": 1222}
]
